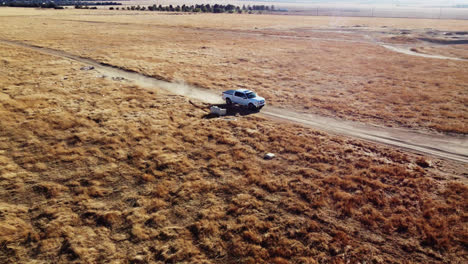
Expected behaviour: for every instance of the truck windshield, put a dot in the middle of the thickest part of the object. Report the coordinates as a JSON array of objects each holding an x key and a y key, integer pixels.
[{"x": 251, "y": 95}]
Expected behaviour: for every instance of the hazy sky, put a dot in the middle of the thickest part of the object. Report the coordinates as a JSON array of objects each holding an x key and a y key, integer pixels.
[{"x": 386, "y": 2}]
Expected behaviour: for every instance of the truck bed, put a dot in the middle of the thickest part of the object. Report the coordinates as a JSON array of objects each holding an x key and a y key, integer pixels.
[{"x": 230, "y": 92}]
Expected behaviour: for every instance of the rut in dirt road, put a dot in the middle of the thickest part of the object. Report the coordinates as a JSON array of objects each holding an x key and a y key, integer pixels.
[{"x": 444, "y": 146}]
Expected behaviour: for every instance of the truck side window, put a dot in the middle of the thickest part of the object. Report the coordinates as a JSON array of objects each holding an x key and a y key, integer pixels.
[{"x": 238, "y": 94}]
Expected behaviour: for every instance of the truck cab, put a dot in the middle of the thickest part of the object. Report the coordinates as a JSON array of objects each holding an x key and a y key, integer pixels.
[{"x": 244, "y": 97}]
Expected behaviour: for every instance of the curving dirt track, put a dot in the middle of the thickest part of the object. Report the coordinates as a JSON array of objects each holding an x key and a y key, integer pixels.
[
  {"x": 408, "y": 51},
  {"x": 444, "y": 146}
]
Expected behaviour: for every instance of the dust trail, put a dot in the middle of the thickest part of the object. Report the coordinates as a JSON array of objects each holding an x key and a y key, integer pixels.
[
  {"x": 448, "y": 147},
  {"x": 178, "y": 88}
]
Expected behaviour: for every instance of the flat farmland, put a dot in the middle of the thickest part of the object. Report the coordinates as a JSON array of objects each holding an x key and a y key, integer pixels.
[
  {"x": 330, "y": 66},
  {"x": 100, "y": 170},
  {"x": 97, "y": 169}
]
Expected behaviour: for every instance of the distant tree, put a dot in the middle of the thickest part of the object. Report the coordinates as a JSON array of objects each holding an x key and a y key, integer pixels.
[
  {"x": 111, "y": 8},
  {"x": 229, "y": 8},
  {"x": 142, "y": 8},
  {"x": 218, "y": 9}
]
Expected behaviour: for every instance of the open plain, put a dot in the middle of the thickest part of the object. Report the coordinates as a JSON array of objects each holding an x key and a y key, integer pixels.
[
  {"x": 326, "y": 65},
  {"x": 97, "y": 169}
]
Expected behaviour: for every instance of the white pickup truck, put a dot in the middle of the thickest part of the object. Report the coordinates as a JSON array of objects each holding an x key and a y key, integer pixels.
[{"x": 244, "y": 97}]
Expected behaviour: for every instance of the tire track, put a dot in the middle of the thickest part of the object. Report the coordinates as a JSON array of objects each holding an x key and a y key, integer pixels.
[{"x": 444, "y": 146}]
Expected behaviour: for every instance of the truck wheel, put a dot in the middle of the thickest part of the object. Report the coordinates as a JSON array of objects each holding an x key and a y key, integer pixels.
[
  {"x": 228, "y": 101},
  {"x": 252, "y": 107}
]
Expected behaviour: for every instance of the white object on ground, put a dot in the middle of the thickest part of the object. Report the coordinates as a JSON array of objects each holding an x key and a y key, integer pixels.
[{"x": 218, "y": 111}]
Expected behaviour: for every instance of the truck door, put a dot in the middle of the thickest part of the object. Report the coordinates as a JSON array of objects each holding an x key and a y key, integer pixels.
[{"x": 239, "y": 98}]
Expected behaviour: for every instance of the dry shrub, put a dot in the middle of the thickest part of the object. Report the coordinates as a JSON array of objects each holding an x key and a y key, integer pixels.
[
  {"x": 139, "y": 233},
  {"x": 49, "y": 189},
  {"x": 222, "y": 138},
  {"x": 423, "y": 162},
  {"x": 157, "y": 220},
  {"x": 13, "y": 230},
  {"x": 112, "y": 219},
  {"x": 279, "y": 260},
  {"x": 371, "y": 217},
  {"x": 176, "y": 251},
  {"x": 161, "y": 189},
  {"x": 148, "y": 177},
  {"x": 97, "y": 191},
  {"x": 400, "y": 224},
  {"x": 435, "y": 234},
  {"x": 40, "y": 166},
  {"x": 155, "y": 205}
]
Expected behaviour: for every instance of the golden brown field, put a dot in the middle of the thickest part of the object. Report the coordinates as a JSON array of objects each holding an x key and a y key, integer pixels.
[
  {"x": 332, "y": 66},
  {"x": 96, "y": 170}
]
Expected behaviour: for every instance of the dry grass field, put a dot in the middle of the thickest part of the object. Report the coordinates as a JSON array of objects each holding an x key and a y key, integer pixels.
[
  {"x": 94, "y": 170},
  {"x": 326, "y": 65}
]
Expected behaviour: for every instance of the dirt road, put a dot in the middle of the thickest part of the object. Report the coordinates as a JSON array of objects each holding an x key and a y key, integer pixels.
[
  {"x": 444, "y": 146},
  {"x": 408, "y": 51}
]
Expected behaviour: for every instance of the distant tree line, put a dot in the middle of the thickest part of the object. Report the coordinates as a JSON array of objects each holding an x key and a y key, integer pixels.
[
  {"x": 57, "y": 4},
  {"x": 216, "y": 8},
  {"x": 98, "y": 3},
  {"x": 202, "y": 8},
  {"x": 41, "y": 4},
  {"x": 85, "y": 5}
]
